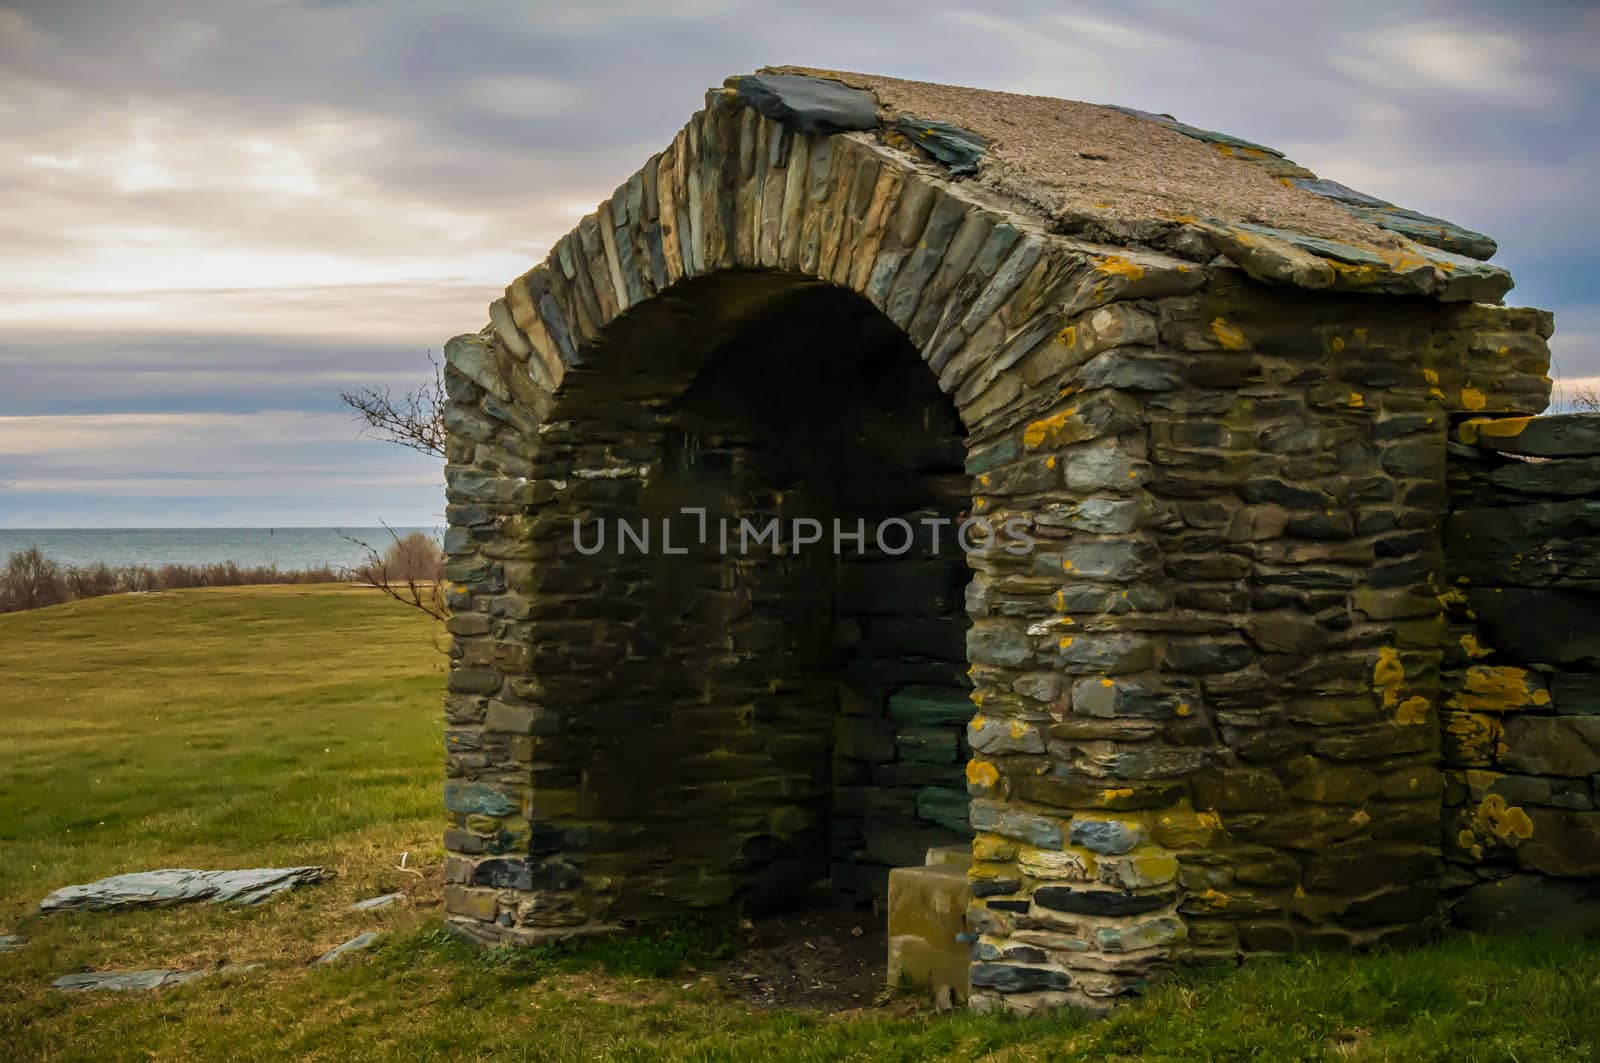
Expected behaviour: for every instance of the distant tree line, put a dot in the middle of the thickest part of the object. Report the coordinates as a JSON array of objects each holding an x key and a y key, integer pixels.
[{"x": 413, "y": 564}]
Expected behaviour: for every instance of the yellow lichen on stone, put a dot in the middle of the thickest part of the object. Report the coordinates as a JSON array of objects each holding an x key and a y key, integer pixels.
[
  {"x": 990, "y": 871},
  {"x": 1412, "y": 711},
  {"x": 1116, "y": 793},
  {"x": 1353, "y": 274},
  {"x": 1493, "y": 428},
  {"x": 1183, "y": 708},
  {"x": 1357, "y": 400},
  {"x": 1183, "y": 829},
  {"x": 991, "y": 847},
  {"x": 1067, "y": 336},
  {"x": 1496, "y": 688},
  {"x": 1431, "y": 375},
  {"x": 1388, "y": 674},
  {"x": 1118, "y": 266},
  {"x": 1230, "y": 336},
  {"x": 1337, "y": 343},
  {"x": 1360, "y": 817},
  {"x": 1475, "y": 734},
  {"x": 1040, "y": 430},
  {"x": 1507, "y": 822},
  {"x": 1472, "y": 647},
  {"x": 982, "y": 773},
  {"x": 1473, "y": 399}
]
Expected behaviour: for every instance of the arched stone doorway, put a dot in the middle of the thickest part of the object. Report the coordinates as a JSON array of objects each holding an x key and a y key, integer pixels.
[
  {"x": 1200, "y": 719},
  {"x": 783, "y": 697}
]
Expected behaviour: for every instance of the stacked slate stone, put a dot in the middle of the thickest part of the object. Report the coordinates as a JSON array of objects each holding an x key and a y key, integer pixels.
[
  {"x": 900, "y": 742},
  {"x": 1238, "y": 748},
  {"x": 1203, "y": 704},
  {"x": 1522, "y": 678}
]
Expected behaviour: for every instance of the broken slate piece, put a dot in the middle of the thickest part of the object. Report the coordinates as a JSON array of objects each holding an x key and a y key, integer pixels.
[
  {"x": 153, "y": 978},
  {"x": 170, "y": 886},
  {"x": 1426, "y": 229},
  {"x": 9, "y": 942},
  {"x": 1209, "y": 136},
  {"x": 808, "y": 104},
  {"x": 959, "y": 149},
  {"x": 355, "y": 944},
  {"x": 373, "y": 904}
]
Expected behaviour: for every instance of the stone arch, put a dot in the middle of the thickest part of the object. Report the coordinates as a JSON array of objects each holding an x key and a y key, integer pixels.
[
  {"x": 1195, "y": 701},
  {"x": 967, "y": 277}
]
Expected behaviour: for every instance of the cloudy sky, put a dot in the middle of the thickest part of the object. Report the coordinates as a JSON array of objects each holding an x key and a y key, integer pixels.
[{"x": 216, "y": 215}]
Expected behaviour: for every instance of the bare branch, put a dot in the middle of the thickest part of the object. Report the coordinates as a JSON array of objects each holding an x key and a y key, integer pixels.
[
  {"x": 410, "y": 570},
  {"x": 413, "y": 419}
]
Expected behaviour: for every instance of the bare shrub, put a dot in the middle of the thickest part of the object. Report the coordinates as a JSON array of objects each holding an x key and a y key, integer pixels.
[
  {"x": 415, "y": 555},
  {"x": 92, "y": 581},
  {"x": 31, "y": 581},
  {"x": 229, "y": 574},
  {"x": 410, "y": 570}
]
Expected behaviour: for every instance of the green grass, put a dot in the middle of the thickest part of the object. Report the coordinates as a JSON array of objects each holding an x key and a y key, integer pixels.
[{"x": 256, "y": 726}]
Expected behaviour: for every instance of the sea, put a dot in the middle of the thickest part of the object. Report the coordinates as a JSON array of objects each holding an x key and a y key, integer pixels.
[{"x": 288, "y": 548}]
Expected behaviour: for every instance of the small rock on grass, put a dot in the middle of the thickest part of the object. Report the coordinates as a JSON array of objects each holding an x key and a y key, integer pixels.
[
  {"x": 373, "y": 904},
  {"x": 9, "y": 942},
  {"x": 355, "y": 944}
]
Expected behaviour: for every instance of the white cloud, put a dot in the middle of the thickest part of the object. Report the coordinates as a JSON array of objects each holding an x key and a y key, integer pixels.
[
  {"x": 517, "y": 95},
  {"x": 1445, "y": 58}
]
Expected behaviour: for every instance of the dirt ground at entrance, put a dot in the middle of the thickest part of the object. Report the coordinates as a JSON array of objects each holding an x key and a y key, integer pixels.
[{"x": 827, "y": 959}]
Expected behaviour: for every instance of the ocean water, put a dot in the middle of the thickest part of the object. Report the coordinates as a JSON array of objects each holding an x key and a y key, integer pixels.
[{"x": 288, "y": 548}]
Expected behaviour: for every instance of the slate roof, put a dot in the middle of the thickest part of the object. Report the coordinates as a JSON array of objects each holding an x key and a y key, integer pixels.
[{"x": 1121, "y": 175}]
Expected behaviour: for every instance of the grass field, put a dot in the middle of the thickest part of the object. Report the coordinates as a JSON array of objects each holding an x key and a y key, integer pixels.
[{"x": 295, "y": 725}]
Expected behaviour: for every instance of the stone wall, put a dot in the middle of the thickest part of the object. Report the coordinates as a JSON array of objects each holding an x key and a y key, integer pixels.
[
  {"x": 1227, "y": 745},
  {"x": 1203, "y": 697},
  {"x": 1521, "y": 708}
]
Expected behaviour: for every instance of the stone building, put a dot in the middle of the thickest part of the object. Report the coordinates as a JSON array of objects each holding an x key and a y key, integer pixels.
[{"x": 887, "y": 465}]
